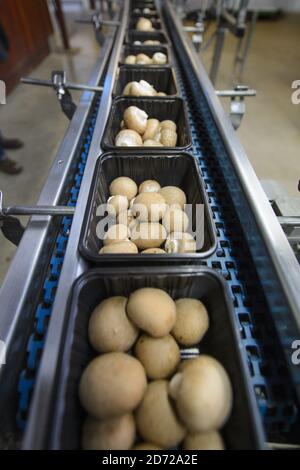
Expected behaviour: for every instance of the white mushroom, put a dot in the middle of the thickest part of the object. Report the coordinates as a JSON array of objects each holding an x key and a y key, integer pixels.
[
  {"x": 128, "y": 138},
  {"x": 130, "y": 59},
  {"x": 116, "y": 204},
  {"x": 143, "y": 59},
  {"x": 142, "y": 88},
  {"x": 144, "y": 24},
  {"x": 152, "y": 143},
  {"x": 127, "y": 89},
  {"x": 178, "y": 242},
  {"x": 116, "y": 233},
  {"x": 168, "y": 124},
  {"x": 168, "y": 138},
  {"x": 135, "y": 119},
  {"x": 152, "y": 129},
  {"x": 159, "y": 58}
]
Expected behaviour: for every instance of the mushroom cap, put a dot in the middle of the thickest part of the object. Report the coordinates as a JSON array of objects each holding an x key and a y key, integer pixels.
[
  {"x": 142, "y": 88},
  {"x": 156, "y": 420},
  {"x": 109, "y": 327},
  {"x": 135, "y": 119},
  {"x": 203, "y": 395},
  {"x": 152, "y": 143},
  {"x": 143, "y": 59},
  {"x": 152, "y": 129},
  {"x": 154, "y": 251},
  {"x": 111, "y": 385},
  {"x": 149, "y": 186},
  {"x": 125, "y": 217},
  {"x": 116, "y": 233},
  {"x": 130, "y": 59},
  {"x": 211, "y": 440},
  {"x": 151, "y": 42},
  {"x": 175, "y": 220},
  {"x": 116, "y": 204},
  {"x": 168, "y": 137},
  {"x": 159, "y": 58},
  {"x": 148, "y": 235},
  {"x": 127, "y": 89},
  {"x": 111, "y": 434},
  {"x": 159, "y": 356},
  {"x": 124, "y": 246},
  {"x": 168, "y": 124},
  {"x": 152, "y": 310},
  {"x": 146, "y": 446},
  {"x": 123, "y": 186},
  {"x": 192, "y": 321},
  {"x": 180, "y": 242},
  {"x": 174, "y": 196},
  {"x": 149, "y": 207},
  {"x": 128, "y": 138},
  {"x": 144, "y": 24}
]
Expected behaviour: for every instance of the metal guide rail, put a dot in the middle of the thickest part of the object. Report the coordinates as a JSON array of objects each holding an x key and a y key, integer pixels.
[
  {"x": 265, "y": 304},
  {"x": 28, "y": 291}
]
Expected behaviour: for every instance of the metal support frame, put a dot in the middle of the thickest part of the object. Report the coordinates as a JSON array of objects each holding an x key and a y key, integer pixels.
[
  {"x": 236, "y": 24},
  {"x": 24, "y": 279},
  {"x": 97, "y": 22},
  {"x": 61, "y": 86},
  {"x": 73, "y": 265},
  {"x": 237, "y": 104},
  {"x": 11, "y": 227}
]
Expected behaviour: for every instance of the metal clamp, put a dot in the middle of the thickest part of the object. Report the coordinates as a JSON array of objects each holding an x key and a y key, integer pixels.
[
  {"x": 12, "y": 228},
  {"x": 97, "y": 22},
  {"x": 197, "y": 37},
  {"x": 291, "y": 228},
  {"x": 59, "y": 83},
  {"x": 238, "y": 105}
]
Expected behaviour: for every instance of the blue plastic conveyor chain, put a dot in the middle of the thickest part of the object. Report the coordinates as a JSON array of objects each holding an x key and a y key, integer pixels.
[{"x": 37, "y": 339}]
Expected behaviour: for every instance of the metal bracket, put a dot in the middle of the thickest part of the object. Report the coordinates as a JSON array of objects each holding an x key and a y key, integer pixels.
[
  {"x": 237, "y": 106},
  {"x": 227, "y": 21},
  {"x": 97, "y": 22},
  {"x": 61, "y": 86},
  {"x": 197, "y": 37},
  {"x": 12, "y": 228}
]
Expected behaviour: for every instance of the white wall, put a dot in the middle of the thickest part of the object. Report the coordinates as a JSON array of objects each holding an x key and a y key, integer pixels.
[{"x": 291, "y": 5}]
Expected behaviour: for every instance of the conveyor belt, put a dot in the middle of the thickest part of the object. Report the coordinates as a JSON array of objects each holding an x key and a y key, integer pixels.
[
  {"x": 259, "y": 302},
  {"x": 43, "y": 312},
  {"x": 274, "y": 391},
  {"x": 271, "y": 381}
]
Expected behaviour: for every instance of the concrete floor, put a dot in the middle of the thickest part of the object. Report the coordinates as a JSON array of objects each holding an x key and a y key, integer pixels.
[{"x": 269, "y": 132}]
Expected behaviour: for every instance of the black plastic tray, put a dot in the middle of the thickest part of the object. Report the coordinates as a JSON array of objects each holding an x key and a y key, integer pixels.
[
  {"x": 140, "y": 4},
  {"x": 152, "y": 15},
  {"x": 178, "y": 170},
  {"x": 158, "y": 108},
  {"x": 162, "y": 78},
  {"x": 148, "y": 50},
  {"x": 132, "y": 36},
  {"x": 243, "y": 429}
]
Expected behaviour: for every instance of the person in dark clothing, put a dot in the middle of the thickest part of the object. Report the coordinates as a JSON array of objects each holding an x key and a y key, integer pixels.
[{"x": 7, "y": 165}]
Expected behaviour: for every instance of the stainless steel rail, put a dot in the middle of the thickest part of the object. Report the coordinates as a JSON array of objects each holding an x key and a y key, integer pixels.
[
  {"x": 73, "y": 265},
  {"x": 20, "y": 287},
  {"x": 281, "y": 254},
  {"x": 69, "y": 85}
]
